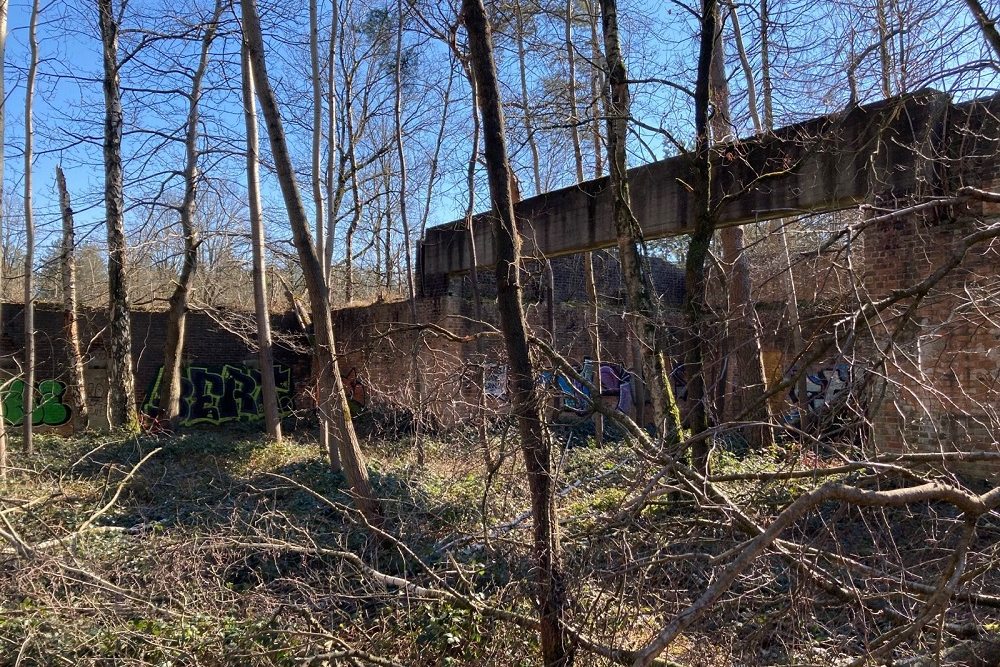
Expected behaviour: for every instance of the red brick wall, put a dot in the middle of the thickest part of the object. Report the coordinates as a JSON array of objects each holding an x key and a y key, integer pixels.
[{"x": 942, "y": 378}]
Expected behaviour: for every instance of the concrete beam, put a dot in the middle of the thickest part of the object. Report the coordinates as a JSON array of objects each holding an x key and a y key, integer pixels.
[{"x": 824, "y": 164}]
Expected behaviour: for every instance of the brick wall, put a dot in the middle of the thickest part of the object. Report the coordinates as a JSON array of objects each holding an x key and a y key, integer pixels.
[
  {"x": 942, "y": 379},
  {"x": 208, "y": 343}
]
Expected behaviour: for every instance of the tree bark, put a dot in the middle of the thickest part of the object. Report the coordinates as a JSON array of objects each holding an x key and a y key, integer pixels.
[
  {"x": 700, "y": 241},
  {"x": 173, "y": 348},
  {"x": 317, "y": 127},
  {"x": 76, "y": 393},
  {"x": 29, "y": 234},
  {"x": 3, "y": 119},
  {"x": 526, "y": 399},
  {"x": 317, "y": 189},
  {"x": 640, "y": 291},
  {"x": 122, "y": 412},
  {"x": 265, "y": 353},
  {"x": 333, "y": 406}
]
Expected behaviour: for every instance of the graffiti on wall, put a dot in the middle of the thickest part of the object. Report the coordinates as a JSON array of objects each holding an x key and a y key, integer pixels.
[
  {"x": 823, "y": 386},
  {"x": 49, "y": 407},
  {"x": 575, "y": 396},
  {"x": 217, "y": 394}
]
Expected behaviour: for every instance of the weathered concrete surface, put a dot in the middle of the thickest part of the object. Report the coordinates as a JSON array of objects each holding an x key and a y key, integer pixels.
[{"x": 890, "y": 149}]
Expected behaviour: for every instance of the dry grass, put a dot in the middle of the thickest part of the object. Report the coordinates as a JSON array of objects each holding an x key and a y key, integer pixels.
[{"x": 224, "y": 549}]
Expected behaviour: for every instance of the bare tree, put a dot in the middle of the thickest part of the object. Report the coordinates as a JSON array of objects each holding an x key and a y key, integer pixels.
[
  {"x": 590, "y": 282},
  {"x": 332, "y": 401},
  {"x": 77, "y": 389},
  {"x": 640, "y": 292},
  {"x": 121, "y": 381},
  {"x": 29, "y": 234},
  {"x": 317, "y": 125},
  {"x": 526, "y": 111},
  {"x": 700, "y": 240},
  {"x": 173, "y": 349},
  {"x": 527, "y": 402},
  {"x": 265, "y": 354},
  {"x": 3, "y": 215},
  {"x": 745, "y": 373},
  {"x": 332, "y": 198}
]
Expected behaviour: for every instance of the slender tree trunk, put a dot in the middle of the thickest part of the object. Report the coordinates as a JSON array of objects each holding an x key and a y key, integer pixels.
[
  {"x": 477, "y": 295},
  {"x": 333, "y": 406},
  {"x": 640, "y": 292},
  {"x": 588, "y": 259},
  {"x": 470, "y": 184},
  {"x": 265, "y": 353},
  {"x": 317, "y": 126},
  {"x": 76, "y": 393},
  {"x": 317, "y": 189},
  {"x": 332, "y": 200},
  {"x": 751, "y": 88},
  {"x": 778, "y": 226},
  {"x": 29, "y": 234},
  {"x": 522, "y": 68},
  {"x": 596, "y": 86},
  {"x": 766, "y": 84},
  {"x": 121, "y": 382},
  {"x": 590, "y": 280},
  {"x": 700, "y": 240},
  {"x": 352, "y": 227},
  {"x": 3, "y": 119},
  {"x": 418, "y": 383},
  {"x": 884, "y": 59},
  {"x": 574, "y": 119},
  {"x": 173, "y": 348},
  {"x": 557, "y": 650},
  {"x": 745, "y": 370}
]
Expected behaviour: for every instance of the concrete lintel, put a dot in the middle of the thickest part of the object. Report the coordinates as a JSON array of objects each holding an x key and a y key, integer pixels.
[{"x": 823, "y": 164}]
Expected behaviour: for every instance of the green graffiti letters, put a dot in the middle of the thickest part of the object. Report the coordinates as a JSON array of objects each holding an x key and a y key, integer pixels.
[
  {"x": 220, "y": 394},
  {"x": 49, "y": 407}
]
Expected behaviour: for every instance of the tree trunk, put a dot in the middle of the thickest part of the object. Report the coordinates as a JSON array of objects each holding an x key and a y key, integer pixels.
[
  {"x": 745, "y": 383},
  {"x": 173, "y": 347},
  {"x": 590, "y": 283},
  {"x": 777, "y": 226},
  {"x": 317, "y": 127},
  {"x": 29, "y": 239},
  {"x": 700, "y": 242},
  {"x": 418, "y": 383},
  {"x": 332, "y": 200},
  {"x": 265, "y": 353},
  {"x": 76, "y": 393},
  {"x": 3, "y": 119},
  {"x": 766, "y": 83},
  {"x": 640, "y": 292},
  {"x": 333, "y": 406},
  {"x": 352, "y": 227},
  {"x": 522, "y": 68},
  {"x": 590, "y": 280},
  {"x": 121, "y": 382},
  {"x": 526, "y": 399}
]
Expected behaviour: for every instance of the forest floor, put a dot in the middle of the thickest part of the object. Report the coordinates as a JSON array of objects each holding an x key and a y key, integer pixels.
[{"x": 221, "y": 548}]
